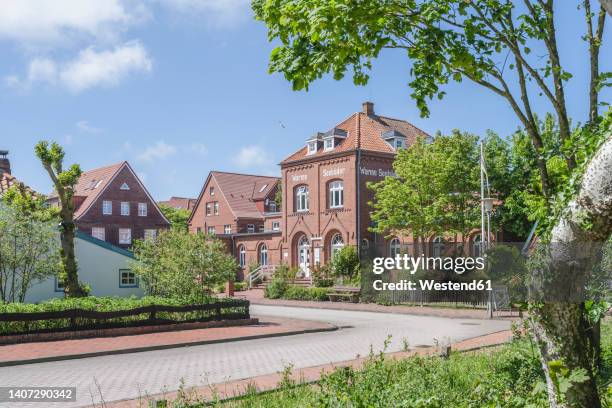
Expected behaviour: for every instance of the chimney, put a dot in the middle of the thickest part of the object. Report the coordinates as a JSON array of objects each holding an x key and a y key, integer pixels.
[
  {"x": 5, "y": 164},
  {"x": 368, "y": 108}
]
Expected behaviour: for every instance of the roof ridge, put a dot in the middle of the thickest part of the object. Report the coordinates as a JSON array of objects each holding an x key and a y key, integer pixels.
[
  {"x": 105, "y": 167},
  {"x": 243, "y": 174}
]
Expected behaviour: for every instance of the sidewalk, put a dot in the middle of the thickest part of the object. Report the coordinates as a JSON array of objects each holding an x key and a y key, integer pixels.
[
  {"x": 270, "y": 382},
  {"x": 256, "y": 297},
  {"x": 28, "y": 353}
]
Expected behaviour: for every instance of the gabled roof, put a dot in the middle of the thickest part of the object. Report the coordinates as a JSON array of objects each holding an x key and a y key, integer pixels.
[
  {"x": 93, "y": 183},
  {"x": 179, "y": 202},
  {"x": 365, "y": 133},
  {"x": 241, "y": 191}
]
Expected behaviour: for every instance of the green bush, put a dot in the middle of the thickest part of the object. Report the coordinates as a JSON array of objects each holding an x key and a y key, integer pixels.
[
  {"x": 238, "y": 286},
  {"x": 276, "y": 288},
  {"x": 101, "y": 304},
  {"x": 345, "y": 262},
  {"x": 294, "y": 292}
]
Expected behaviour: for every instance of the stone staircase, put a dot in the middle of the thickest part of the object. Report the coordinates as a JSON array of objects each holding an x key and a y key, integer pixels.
[{"x": 262, "y": 276}]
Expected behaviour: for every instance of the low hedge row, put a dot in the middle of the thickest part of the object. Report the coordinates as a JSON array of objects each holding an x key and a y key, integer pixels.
[
  {"x": 295, "y": 292},
  {"x": 107, "y": 304}
]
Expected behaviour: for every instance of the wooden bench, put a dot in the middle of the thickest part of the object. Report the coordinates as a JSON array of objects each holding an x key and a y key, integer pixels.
[{"x": 344, "y": 293}]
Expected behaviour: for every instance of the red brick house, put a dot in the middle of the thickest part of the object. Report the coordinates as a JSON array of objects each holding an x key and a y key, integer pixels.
[
  {"x": 113, "y": 205},
  {"x": 179, "y": 203},
  {"x": 240, "y": 208}
]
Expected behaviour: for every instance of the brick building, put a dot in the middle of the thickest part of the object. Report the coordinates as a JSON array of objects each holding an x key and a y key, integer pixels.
[
  {"x": 179, "y": 203},
  {"x": 113, "y": 205}
]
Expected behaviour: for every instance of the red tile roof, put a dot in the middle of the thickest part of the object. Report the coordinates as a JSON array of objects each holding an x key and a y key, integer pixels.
[
  {"x": 180, "y": 202},
  {"x": 242, "y": 191},
  {"x": 364, "y": 132},
  {"x": 92, "y": 183},
  {"x": 8, "y": 180}
]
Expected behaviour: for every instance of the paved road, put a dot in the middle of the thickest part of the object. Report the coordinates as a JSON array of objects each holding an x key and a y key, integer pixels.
[{"x": 138, "y": 374}]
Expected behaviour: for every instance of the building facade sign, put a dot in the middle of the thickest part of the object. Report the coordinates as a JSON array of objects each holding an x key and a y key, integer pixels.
[
  {"x": 377, "y": 172},
  {"x": 299, "y": 177},
  {"x": 338, "y": 171}
]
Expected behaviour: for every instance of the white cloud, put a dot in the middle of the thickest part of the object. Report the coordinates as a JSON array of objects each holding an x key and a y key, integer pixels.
[
  {"x": 252, "y": 156},
  {"x": 160, "y": 150},
  {"x": 105, "y": 68},
  {"x": 90, "y": 69},
  {"x": 85, "y": 127},
  {"x": 219, "y": 13},
  {"x": 56, "y": 21}
]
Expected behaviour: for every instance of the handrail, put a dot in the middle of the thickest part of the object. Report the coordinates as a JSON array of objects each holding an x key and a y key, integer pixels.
[{"x": 261, "y": 272}]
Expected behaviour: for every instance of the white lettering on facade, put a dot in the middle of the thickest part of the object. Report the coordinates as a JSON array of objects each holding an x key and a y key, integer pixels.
[
  {"x": 299, "y": 177},
  {"x": 377, "y": 172},
  {"x": 338, "y": 171}
]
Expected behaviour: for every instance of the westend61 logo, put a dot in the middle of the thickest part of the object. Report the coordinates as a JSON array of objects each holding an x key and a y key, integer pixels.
[{"x": 405, "y": 262}]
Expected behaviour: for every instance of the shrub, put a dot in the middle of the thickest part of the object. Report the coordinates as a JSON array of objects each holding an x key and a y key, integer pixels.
[
  {"x": 238, "y": 286},
  {"x": 276, "y": 288},
  {"x": 345, "y": 262},
  {"x": 294, "y": 292},
  {"x": 322, "y": 276}
]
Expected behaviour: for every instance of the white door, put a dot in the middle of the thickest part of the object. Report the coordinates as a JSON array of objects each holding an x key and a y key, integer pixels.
[{"x": 304, "y": 258}]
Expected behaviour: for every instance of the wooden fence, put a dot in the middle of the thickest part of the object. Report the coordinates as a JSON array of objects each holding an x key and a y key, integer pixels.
[{"x": 80, "y": 319}]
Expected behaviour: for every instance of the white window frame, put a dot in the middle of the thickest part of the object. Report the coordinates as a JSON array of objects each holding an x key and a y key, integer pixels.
[
  {"x": 211, "y": 191},
  {"x": 336, "y": 244},
  {"x": 127, "y": 231},
  {"x": 150, "y": 234},
  {"x": 275, "y": 225},
  {"x": 208, "y": 209},
  {"x": 302, "y": 198},
  {"x": 312, "y": 147},
  {"x": 336, "y": 194},
  {"x": 242, "y": 256},
  {"x": 263, "y": 254},
  {"x": 328, "y": 144},
  {"x": 216, "y": 207},
  {"x": 250, "y": 228},
  {"x": 124, "y": 186},
  {"x": 395, "y": 247},
  {"x": 107, "y": 207},
  {"x": 272, "y": 206},
  {"x": 99, "y": 233},
  {"x": 211, "y": 230},
  {"x": 142, "y": 209},
  {"x": 227, "y": 229},
  {"x": 131, "y": 278},
  {"x": 125, "y": 208}
]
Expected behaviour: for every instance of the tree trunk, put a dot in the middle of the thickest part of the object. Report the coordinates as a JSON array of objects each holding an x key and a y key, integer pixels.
[
  {"x": 560, "y": 324},
  {"x": 72, "y": 288}
]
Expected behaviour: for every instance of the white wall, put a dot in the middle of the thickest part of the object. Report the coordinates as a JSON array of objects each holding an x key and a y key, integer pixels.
[{"x": 98, "y": 266}]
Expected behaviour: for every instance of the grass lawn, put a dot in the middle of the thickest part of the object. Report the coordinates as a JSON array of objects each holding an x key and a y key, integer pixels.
[{"x": 505, "y": 376}]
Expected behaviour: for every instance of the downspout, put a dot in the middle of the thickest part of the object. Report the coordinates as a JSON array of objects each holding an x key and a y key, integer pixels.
[{"x": 358, "y": 179}]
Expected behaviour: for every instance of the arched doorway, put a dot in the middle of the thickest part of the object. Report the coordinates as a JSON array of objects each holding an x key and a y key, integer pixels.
[{"x": 303, "y": 255}]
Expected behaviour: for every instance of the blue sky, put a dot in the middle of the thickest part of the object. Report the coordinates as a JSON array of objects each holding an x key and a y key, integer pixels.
[{"x": 180, "y": 87}]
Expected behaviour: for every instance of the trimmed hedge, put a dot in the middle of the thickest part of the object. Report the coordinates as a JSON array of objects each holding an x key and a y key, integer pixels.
[
  {"x": 108, "y": 304},
  {"x": 295, "y": 292}
]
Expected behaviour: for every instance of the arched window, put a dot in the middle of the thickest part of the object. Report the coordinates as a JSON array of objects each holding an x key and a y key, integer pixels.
[
  {"x": 394, "y": 247},
  {"x": 477, "y": 246},
  {"x": 438, "y": 246},
  {"x": 336, "y": 244},
  {"x": 336, "y": 194},
  {"x": 242, "y": 256},
  {"x": 263, "y": 254},
  {"x": 301, "y": 198}
]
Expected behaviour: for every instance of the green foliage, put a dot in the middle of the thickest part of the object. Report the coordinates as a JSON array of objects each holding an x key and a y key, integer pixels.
[
  {"x": 345, "y": 262},
  {"x": 506, "y": 266},
  {"x": 294, "y": 292},
  {"x": 276, "y": 288},
  {"x": 322, "y": 276},
  {"x": 178, "y": 217},
  {"x": 182, "y": 265},
  {"x": 99, "y": 304},
  {"x": 29, "y": 245}
]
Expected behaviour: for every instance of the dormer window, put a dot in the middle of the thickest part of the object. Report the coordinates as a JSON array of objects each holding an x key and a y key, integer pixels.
[
  {"x": 395, "y": 139},
  {"x": 328, "y": 144},
  {"x": 312, "y": 147},
  {"x": 399, "y": 144},
  {"x": 124, "y": 186}
]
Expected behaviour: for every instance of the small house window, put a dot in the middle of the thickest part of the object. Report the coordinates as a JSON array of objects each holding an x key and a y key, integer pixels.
[
  {"x": 301, "y": 198},
  {"x": 263, "y": 254},
  {"x": 263, "y": 188},
  {"x": 124, "y": 186},
  {"x": 107, "y": 207},
  {"x": 227, "y": 229},
  {"x": 312, "y": 147},
  {"x": 211, "y": 230},
  {"x": 329, "y": 144},
  {"x": 127, "y": 279},
  {"x": 399, "y": 143},
  {"x": 211, "y": 191},
  {"x": 125, "y": 208},
  {"x": 262, "y": 228},
  {"x": 150, "y": 234},
  {"x": 142, "y": 209},
  {"x": 208, "y": 208},
  {"x": 242, "y": 256},
  {"x": 394, "y": 247},
  {"x": 59, "y": 285},
  {"x": 275, "y": 225},
  {"x": 125, "y": 236},
  {"x": 272, "y": 206},
  {"x": 216, "y": 208},
  {"x": 99, "y": 233},
  {"x": 336, "y": 194},
  {"x": 250, "y": 228}
]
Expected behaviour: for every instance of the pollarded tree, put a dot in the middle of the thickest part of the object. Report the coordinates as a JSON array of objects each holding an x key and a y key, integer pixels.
[
  {"x": 64, "y": 181},
  {"x": 506, "y": 47}
]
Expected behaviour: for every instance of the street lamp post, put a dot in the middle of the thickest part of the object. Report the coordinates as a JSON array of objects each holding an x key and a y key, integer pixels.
[{"x": 486, "y": 208}]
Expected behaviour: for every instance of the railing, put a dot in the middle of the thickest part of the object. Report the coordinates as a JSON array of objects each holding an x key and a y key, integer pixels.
[
  {"x": 260, "y": 274},
  {"x": 81, "y": 319}
]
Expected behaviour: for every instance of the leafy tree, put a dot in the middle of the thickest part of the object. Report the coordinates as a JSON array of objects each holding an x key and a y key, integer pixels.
[
  {"x": 64, "y": 181},
  {"x": 178, "y": 217},
  {"x": 490, "y": 43},
  {"x": 182, "y": 265},
  {"x": 345, "y": 262},
  {"x": 29, "y": 248}
]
